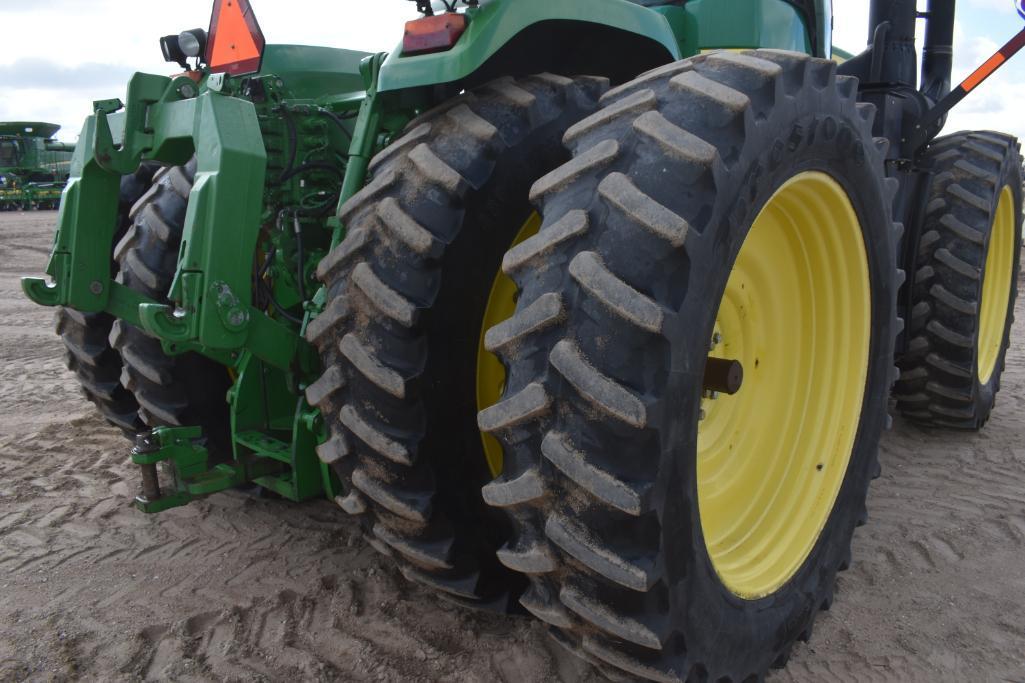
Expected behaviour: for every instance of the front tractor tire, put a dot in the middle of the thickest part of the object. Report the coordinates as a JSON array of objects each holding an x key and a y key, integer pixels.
[
  {"x": 727, "y": 207},
  {"x": 963, "y": 292},
  {"x": 408, "y": 291}
]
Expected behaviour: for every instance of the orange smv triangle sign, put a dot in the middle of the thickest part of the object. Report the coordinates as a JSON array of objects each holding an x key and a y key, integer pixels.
[{"x": 236, "y": 40}]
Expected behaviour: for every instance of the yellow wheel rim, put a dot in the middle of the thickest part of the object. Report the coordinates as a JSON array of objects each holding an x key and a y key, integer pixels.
[
  {"x": 797, "y": 314},
  {"x": 996, "y": 287},
  {"x": 490, "y": 371}
]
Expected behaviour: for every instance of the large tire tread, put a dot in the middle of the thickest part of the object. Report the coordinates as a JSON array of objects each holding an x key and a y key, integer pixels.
[
  {"x": 938, "y": 386},
  {"x": 174, "y": 391},
  {"x": 384, "y": 281},
  {"x": 583, "y": 481}
]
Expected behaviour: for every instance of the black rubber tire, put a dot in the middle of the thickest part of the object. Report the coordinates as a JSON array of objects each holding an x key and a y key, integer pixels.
[
  {"x": 96, "y": 364},
  {"x": 407, "y": 290},
  {"x": 600, "y": 413},
  {"x": 172, "y": 391},
  {"x": 939, "y": 383}
]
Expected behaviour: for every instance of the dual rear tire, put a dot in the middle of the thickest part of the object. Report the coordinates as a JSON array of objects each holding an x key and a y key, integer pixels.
[
  {"x": 963, "y": 292},
  {"x": 86, "y": 336},
  {"x": 648, "y": 511},
  {"x": 655, "y": 516},
  {"x": 172, "y": 391},
  {"x": 408, "y": 289},
  {"x": 123, "y": 370}
]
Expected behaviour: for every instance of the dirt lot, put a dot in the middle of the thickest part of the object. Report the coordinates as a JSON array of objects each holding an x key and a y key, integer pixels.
[{"x": 241, "y": 588}]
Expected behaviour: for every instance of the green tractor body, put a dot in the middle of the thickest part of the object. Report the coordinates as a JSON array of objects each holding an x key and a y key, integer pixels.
[
  {"x": 263, "y": 171},
  {"x": 238, "y": 130},
  {"x": 33, "y": 166}
]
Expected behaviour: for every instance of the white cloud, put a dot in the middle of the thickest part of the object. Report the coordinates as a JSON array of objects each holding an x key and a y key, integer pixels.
[{"x": 84, "y": 50}]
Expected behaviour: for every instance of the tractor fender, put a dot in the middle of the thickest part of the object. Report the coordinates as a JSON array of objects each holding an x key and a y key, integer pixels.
[{"x": 564, "y": 36}]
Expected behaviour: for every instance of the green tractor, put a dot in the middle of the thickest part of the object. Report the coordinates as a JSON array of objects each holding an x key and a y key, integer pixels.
[
  {"x": 33, "y": 166},
  {"x": 589, "y": 312}
]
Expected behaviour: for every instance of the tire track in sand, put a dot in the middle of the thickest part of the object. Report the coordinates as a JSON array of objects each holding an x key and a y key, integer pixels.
[{"x": 236, "y": 587}]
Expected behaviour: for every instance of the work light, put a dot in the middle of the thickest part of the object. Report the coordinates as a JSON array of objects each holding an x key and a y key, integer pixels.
[
  {"x": 192, "y": 42},
  {"x": 172, "y": 50}
]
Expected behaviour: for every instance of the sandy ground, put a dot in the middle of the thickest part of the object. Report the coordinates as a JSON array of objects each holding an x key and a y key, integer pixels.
[{"x": 242, "y": 588}]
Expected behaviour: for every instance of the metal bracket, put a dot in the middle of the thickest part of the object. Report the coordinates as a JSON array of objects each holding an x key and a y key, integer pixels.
[
  {"x": 144, "y": 90},
  {"x": 168, "y": 323},
  {"x": 183, "y": 450},
  {"x": 364, "y": 139},
  {"x": 229, "y": 307},
  {"x": 51, "y": 293}
]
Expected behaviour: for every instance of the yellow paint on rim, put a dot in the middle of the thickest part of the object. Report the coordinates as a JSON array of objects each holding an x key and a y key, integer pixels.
[
  {"x": 797, "y": 314},
  {"x": 490, "y": 371},
  {"x": 996, "y": 287}
]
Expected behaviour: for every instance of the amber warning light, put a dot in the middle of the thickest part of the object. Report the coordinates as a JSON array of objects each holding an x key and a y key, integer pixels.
[
  {"x": 236, "y": 42},
  {"x": 433, "y": 34}
]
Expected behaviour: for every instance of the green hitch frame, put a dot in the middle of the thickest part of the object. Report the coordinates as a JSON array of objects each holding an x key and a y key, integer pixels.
[
  {"x": 186, "y": 461},
  {"x": 274, "y": 431},
  {"x": 166, "y": 120}
]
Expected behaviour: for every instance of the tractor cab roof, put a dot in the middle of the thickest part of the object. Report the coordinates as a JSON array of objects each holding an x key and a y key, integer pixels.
[{"x": 30, "y": 129}]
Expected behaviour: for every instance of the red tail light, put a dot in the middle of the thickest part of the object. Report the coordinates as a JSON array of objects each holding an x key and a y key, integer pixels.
[
  {"x": 236, "y": 42},
  {"x": 433, "y": 34}
]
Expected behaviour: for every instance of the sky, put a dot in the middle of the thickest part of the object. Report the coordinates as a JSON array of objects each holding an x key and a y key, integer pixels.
[{"x": 57, "y": 56}]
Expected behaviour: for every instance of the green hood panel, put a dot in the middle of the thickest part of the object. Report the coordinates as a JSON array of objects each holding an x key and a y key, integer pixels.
[
  {"x": 497, "y": 22},
  {"x": 313, "y": 72}
]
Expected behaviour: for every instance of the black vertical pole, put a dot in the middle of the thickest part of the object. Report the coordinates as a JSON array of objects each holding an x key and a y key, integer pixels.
[
  {"x": 892, "y": 30},
  {"x": 938, "y": 51}
]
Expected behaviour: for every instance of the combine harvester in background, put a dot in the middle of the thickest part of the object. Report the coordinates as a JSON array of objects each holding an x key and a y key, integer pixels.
[
  {"x": 33, "y": 166},
  {"x": 577, "y": 312}
]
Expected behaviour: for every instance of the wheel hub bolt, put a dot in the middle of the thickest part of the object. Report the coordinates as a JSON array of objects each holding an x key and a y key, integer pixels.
[{"x": 722, "y": 375}]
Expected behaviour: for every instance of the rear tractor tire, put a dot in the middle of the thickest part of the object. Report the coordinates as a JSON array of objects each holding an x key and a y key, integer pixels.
[
  {"x": 400, "y": 339},
  {"x": 727, "y": 208},
  {"x": 89, "y": 354},
  {"x": 172, "y": 391},
  {"x": 966, "y": 282}
]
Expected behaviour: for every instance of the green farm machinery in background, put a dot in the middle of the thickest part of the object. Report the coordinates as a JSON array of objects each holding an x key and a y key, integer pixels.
[
  {"x": 33, "y": 166},
  {"x": 589, "y": 310}
]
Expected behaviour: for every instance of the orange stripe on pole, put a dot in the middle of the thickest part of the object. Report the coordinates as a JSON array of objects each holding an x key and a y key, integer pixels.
[{"x": 980, "y": 74}]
